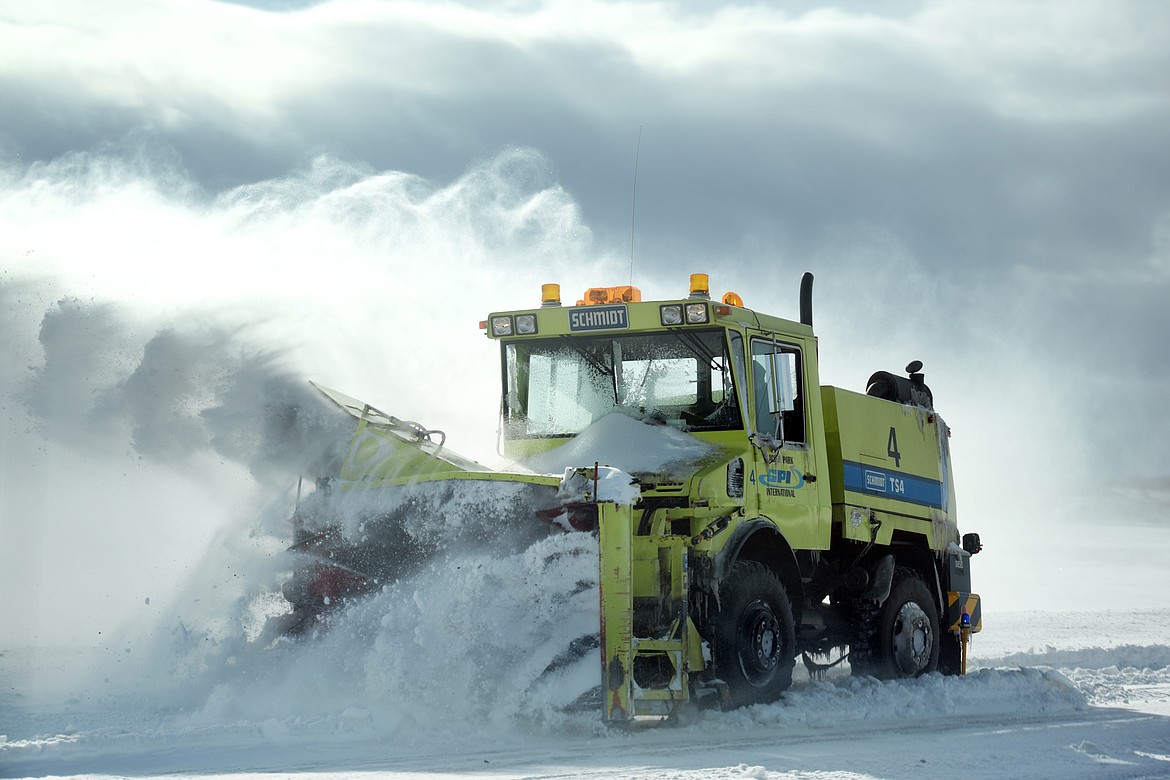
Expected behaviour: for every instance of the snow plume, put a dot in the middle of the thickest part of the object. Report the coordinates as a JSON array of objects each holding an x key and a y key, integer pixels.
[
  {"x": 183, "y": 390},
  {"x": 363, "y": 280},
  {"x": 160, "y": 339},
  {"x": 473, "y": 639}
]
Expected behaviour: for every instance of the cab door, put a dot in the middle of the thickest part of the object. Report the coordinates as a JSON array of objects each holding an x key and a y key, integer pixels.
[{"x": 783, "y": 473}]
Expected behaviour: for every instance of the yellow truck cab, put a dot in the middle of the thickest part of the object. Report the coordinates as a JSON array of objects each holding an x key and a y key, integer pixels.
[{"x": 816, "y": 518}]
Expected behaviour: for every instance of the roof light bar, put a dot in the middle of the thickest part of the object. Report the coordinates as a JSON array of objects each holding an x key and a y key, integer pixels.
[{"x": 599, "y": 295}]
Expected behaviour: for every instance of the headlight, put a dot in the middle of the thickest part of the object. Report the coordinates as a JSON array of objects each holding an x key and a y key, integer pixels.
[
  {"x": 525, "y": 324},
  {"x": 501, "y": 326},
  {"x": 697, "y": 313},
  {"x": 671, "y": 315}
]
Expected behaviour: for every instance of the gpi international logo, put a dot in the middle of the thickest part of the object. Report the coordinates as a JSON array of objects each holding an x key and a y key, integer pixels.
[
  {"x": 782, "y": 483},
  {"x": 788, "y": 478}
]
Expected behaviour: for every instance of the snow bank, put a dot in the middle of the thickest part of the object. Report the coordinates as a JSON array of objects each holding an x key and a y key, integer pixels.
[
  {"x": 1118, "y": 658},
  {"x": 1154, "y": 657},
  {"x": 1040, "y": 632},
  {"x": 464, "y": 672},
  {"x": 858, "y": 702},
  {"x": 430, "y": 670}
]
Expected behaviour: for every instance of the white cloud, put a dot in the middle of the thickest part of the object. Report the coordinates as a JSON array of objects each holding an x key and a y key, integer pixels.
[{"x": 179, "y": 61}]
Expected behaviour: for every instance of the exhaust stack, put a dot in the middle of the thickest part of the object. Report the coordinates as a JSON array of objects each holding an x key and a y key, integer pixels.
[{"x": 806, "y": 283}]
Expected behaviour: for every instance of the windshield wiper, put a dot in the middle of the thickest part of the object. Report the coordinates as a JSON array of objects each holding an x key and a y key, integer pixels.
[
  {"x": 595, "y": 363},
  {"x": 697, "y": 347}
]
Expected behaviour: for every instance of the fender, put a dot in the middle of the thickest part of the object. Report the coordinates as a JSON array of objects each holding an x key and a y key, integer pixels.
[
  {"x": 883, "y": 580},
  {"x": 922, "y": 561},
  {"x": 760, "y": 540}
]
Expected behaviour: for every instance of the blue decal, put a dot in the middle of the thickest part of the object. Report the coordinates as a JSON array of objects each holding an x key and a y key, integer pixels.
[
  {"x": 598, "y": 318},
  {"x": 893, "y": 484}
]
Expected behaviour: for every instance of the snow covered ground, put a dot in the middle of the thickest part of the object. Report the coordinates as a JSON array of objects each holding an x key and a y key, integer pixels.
[{"x": 1050, "y": 694}]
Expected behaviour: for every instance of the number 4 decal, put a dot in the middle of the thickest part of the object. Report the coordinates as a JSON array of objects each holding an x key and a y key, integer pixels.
[{"x": 892, "y": 448}]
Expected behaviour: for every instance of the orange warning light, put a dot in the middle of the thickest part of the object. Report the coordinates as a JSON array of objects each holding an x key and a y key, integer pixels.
[{"x": 599, "y": 295}]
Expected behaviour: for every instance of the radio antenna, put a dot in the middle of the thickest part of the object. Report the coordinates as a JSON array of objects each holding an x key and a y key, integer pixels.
[{"x": 634, "y": 203}]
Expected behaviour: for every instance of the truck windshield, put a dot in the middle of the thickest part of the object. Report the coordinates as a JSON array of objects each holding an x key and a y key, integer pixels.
[{"x": 558, "y": 387}]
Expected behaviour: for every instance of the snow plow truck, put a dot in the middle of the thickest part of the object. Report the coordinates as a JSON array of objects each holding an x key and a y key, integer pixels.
[{"x": 746, "y": 515}]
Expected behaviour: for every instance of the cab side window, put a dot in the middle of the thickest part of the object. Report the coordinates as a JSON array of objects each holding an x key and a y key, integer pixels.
[{"x": 777, "y": 383}]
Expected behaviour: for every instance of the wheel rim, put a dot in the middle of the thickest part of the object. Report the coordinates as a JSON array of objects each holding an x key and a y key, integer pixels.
[
  {"x": 759, "y": 645},
  {"x": 913, "y": 640}
]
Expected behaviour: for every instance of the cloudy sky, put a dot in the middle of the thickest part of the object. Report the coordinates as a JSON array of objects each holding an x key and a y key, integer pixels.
[{"x": 203, "y": 204}]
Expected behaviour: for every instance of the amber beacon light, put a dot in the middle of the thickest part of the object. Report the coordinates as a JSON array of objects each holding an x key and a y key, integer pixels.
[
  {"x": 700, "y": 287},
  {"x": 550, "y": 295}
]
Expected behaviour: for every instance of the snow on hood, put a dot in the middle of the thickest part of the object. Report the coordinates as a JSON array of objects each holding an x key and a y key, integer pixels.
[{"x": 625, "y": 443}]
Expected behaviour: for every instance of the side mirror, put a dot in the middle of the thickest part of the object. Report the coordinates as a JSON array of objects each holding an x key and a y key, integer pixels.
[{"x": 971, "y": 543}]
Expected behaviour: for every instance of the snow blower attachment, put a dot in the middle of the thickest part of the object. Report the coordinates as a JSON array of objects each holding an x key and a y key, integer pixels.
[
  {"x": 745, "y": 514},
  {"x": 384, "y": 514}
]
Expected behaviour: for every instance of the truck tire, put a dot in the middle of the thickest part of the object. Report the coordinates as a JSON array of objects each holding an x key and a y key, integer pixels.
[
  {"x": 755, "y": 636},
  {"x": 905, "y": 638}
]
